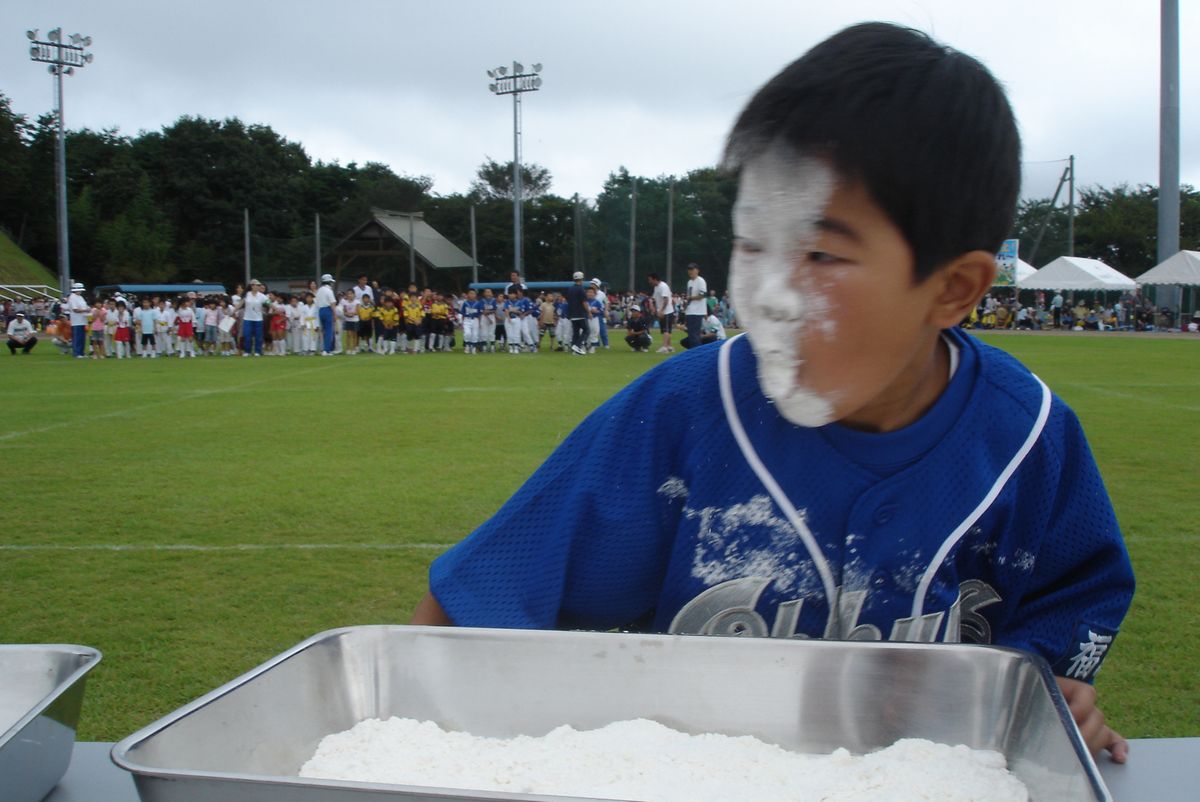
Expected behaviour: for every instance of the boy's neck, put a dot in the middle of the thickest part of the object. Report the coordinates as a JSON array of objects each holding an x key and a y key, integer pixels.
[{"x": 917, "y": 389}]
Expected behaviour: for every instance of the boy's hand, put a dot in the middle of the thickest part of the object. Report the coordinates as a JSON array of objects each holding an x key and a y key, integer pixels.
[{"x": 1081, "y": 699}]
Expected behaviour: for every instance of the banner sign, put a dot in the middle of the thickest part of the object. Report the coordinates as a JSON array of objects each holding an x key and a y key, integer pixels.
[{"x": 1006, "y": 264}]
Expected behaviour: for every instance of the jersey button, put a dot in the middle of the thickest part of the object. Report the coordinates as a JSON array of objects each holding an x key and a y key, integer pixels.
[{"x": 884, "y": 514}]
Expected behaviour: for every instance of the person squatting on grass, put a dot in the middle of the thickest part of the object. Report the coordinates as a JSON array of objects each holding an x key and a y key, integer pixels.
[{"x": 820, "y": 476}]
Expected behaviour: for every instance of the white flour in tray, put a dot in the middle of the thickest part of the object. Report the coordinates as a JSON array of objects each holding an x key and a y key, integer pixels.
[{"x": 646, "y": 761}]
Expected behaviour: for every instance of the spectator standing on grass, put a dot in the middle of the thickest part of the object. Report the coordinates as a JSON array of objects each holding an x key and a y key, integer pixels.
[
  {"x": 362, "y": 288},
  {"x": 325, "y": 301},
  {"x": 252, "y": 319},
  {"x": 96, "y": 329},
  {"x": 147, "y": 323},
  {"x": 697, "y": 302},
  {"x": 663, "y": 307},
  {"x": 21, "y": 336},
  {"x": 577, "y": 313},
  {"x": 78, "y": 309},
  {"x": 1056, "y": 308}
]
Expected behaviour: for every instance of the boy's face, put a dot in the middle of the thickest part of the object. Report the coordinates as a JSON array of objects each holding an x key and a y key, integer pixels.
[{"x": 823, "y": 281}]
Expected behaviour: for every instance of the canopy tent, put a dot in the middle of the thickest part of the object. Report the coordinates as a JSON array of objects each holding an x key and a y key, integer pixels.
[
  {"x": 1183, "y": 269},
  {"x": 1076, "y": 273},
  {"x": 1024, "y": 270}
]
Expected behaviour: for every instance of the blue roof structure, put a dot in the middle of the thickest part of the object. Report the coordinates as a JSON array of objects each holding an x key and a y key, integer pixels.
[{"x": 141, "y": 289}]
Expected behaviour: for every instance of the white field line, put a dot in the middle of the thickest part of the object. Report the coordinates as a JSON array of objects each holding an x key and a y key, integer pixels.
[
  {"x": 174, "y": 399},
  {"x": 188, "y": 547},
  {"x": 1138, "y": 398}
]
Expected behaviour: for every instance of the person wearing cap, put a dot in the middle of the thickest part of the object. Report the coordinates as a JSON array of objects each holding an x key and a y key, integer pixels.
[
  {"x": 578, "y": 312},
  {"x": 603, "y": 298},
  {"x": 325, "y": 300},
  {"x": 252, "y": 319},
  {"x": 21, "y": 335},
  {"x": 78, "y": 309},
  {"x": 637, "y": 330},
  {"x": 697, "y": 305}
]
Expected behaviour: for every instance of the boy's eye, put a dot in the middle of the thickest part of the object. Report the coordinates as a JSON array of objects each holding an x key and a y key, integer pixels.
[
  {"x": 747, "y": 246},
  {"x": 822, "y": 258}
]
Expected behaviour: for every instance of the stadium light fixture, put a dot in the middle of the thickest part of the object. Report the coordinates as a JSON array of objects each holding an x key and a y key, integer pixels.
[
  {"x": 515, "y": 84},
  {"x": 63, "y": 58}
]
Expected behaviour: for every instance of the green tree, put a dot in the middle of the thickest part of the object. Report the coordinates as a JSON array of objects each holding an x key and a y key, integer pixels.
[
  {"x": 494, "y": 181},
  {"x": 15, "y": 135}
]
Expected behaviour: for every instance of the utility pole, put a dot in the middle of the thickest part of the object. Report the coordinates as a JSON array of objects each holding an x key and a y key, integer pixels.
[
  {"x": 1071, "y": 208},
  {"x": 1168, "y": 146},
  {"x": 670, "y": 228},
  {"x": 474, "y": 253},
  {"x": 246, "y": 245},
  {"x": 633, "y": 231},
  {"x": 317, "y": 247}
]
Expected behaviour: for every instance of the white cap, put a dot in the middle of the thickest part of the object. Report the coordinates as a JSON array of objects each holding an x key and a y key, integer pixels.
[
  {"x": 77, "y": 287},
  {"x": 596, "y": 282},
  {"x": 326, "y": 279},
  {"x": 578, "y": 276},
  {"x": 635, "y": 308}
]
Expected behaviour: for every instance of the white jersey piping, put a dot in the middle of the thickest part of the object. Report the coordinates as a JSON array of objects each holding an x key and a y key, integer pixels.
[
  {"x": 764, "y": 476},
  {"x": 952, "y": 540}
]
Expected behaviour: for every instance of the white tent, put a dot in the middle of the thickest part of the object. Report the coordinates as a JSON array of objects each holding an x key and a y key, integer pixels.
[
  {"x": 1183, "y": 268},
  {"x": 1024, "y": 270},
  {"x": 1076, "y": 273}
]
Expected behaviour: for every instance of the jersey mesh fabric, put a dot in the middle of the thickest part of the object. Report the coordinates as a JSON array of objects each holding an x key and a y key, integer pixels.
[{"x": 650, "y": 504}]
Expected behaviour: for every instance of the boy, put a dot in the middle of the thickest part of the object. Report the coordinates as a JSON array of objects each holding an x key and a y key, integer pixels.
[
  {"x": 414, "y": 314},
  {"x": 487, "y": 320},
  {"x": 147, "y": 320},
  {"x": 637, "y": 330},
  {"x": 389, "y": 325},
  {"x": 471, "y": 310},
  {"x": 820, "y": 477}
]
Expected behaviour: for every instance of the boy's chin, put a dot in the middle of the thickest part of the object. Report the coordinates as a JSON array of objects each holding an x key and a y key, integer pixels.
[{"x": 796, "y": 403}]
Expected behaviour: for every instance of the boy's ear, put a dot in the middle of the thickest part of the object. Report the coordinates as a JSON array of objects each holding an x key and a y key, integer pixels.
[{"x": 960, "y": 285}]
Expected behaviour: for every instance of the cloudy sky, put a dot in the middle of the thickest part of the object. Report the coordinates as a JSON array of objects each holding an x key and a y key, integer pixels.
[{"x": 651, "y": 85}]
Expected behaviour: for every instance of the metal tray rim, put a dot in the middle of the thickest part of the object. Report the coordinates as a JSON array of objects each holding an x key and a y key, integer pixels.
[
  {"x": 119, "y": 753},
  {"x": 93, "y": 656}
]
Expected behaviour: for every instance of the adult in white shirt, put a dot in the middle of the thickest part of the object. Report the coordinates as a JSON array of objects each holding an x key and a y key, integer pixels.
[
  {"x": 363, "y": 288},
  {"x": 21, "y": 335},
  {"x": 78, "y": 309},
  {"x": 664, "y": 310},
  {"x": 697, "y": 303},
  {"x": 325, "y": 301},
  {"x": 252, "y": 319}
]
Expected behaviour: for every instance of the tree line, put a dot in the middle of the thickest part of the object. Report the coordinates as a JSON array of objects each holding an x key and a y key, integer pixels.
[{"x": 168, "y": 206}]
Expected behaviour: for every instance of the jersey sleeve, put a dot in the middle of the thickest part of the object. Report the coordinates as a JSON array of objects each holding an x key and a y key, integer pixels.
[
  {"x": 1071, "y": 605},
  {"x": 585, "y": 541}
]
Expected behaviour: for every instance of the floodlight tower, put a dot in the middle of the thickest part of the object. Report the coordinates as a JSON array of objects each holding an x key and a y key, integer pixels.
[
  {"x": 515, "y": 84},
  {"x": 63, "y": 58}
]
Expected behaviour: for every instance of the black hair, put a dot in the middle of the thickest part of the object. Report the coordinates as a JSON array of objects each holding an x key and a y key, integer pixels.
[{"x": 927, "y": 131}]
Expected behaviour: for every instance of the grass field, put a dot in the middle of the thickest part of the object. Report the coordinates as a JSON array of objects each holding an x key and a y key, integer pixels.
[{"x": 192, "y": 519}]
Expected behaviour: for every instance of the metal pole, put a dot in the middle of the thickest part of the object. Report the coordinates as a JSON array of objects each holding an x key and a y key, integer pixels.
[
  {"x": 246, "y": 244},
  {"x": 633, "y": 232},
  {"x": 474, "y": 252},
  {"x": 670, "y": 229},
  {"x": 412, "y": 251},
  {"x": 578, "y": 237},
  {"x": 317, "y": 246},
  {"x": 517, "y": 183},
  {"x": 60, "y": 157},
  {"x": 1168, "y": 144},
  {"x": 1071, "y": 210}
]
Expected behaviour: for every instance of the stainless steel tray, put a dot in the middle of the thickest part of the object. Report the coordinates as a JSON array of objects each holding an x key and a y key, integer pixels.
[
  {"x": 41, "y": 691},
  {"x": 246, "y": 741}
]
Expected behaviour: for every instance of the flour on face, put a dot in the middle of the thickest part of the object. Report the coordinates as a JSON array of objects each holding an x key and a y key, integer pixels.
[
  {"x": 721, "y": 552},
  {"x": 781, "y": 197}
]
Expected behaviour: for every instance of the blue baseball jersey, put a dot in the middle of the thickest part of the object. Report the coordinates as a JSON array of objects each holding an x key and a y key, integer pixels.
[
  {"x": 488, "y": 305},
  {"x": 470, "y": 309},
  {"x": 512, "y": 308},
  {"x": 985, "y": 520},
  {"x": 597, "y": 308},
  {"x": 560, "y": 309}
]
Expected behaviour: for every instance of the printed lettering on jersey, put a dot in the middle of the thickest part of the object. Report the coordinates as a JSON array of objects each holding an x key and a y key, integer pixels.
[
  {"x": 1089, "y": 649},
  {"x": 729, "y": 608}
]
